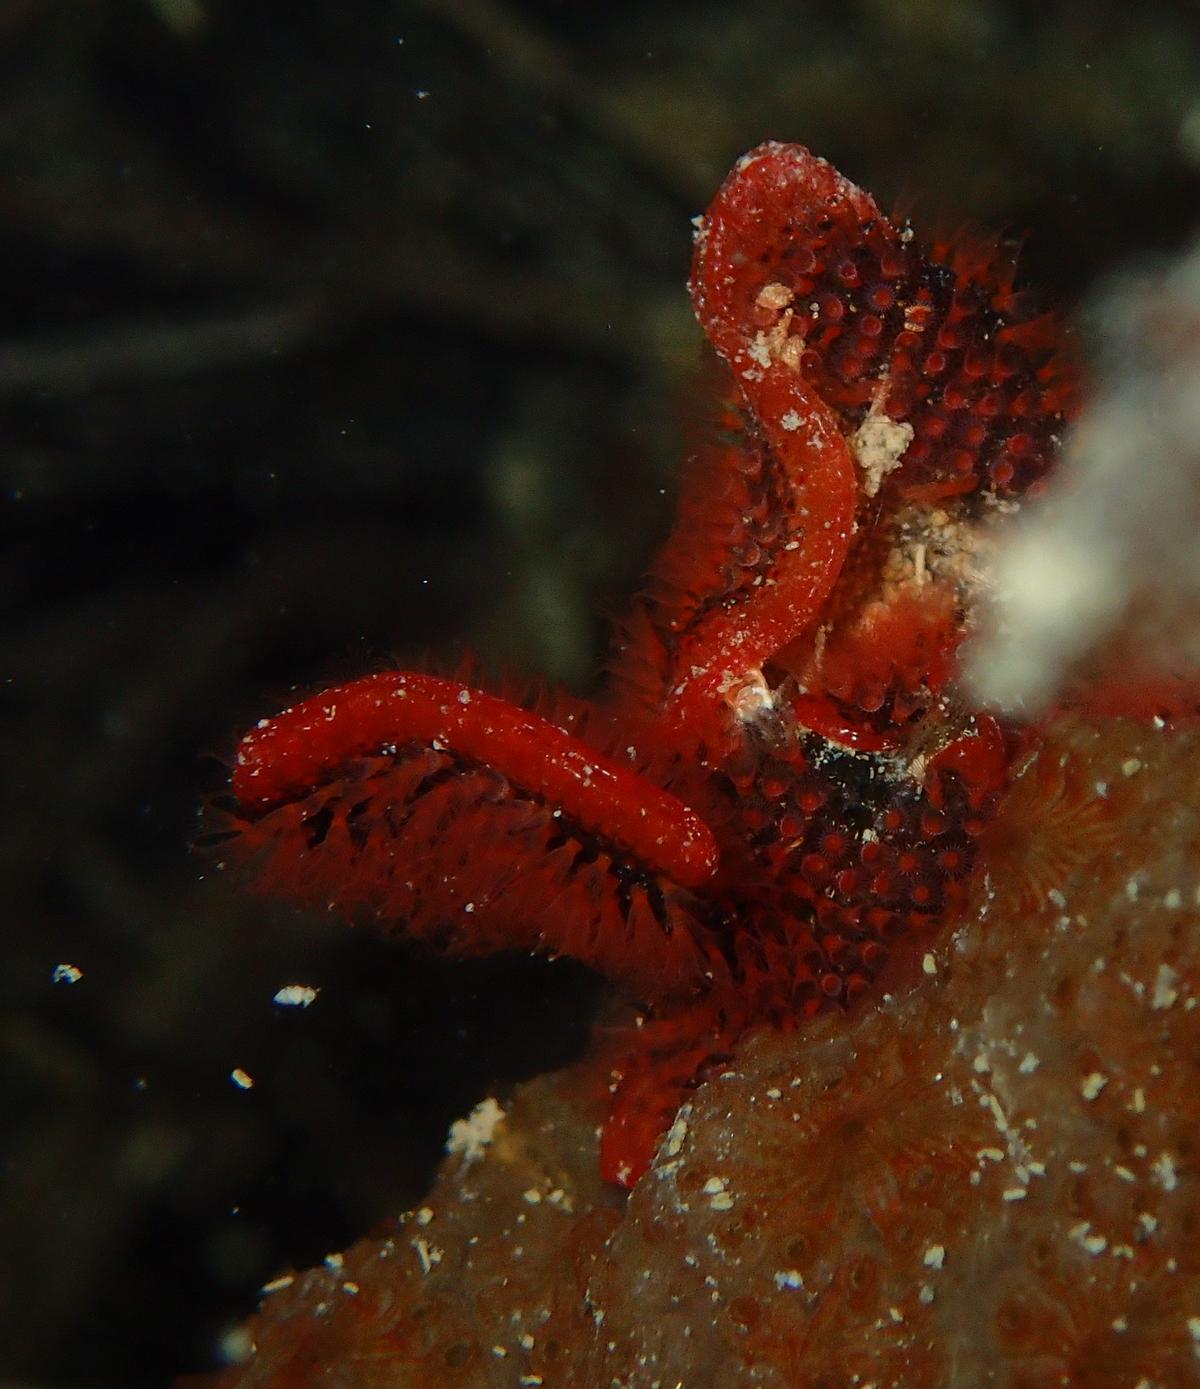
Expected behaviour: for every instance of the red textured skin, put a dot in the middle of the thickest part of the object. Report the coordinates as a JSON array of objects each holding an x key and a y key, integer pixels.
[
  {"x": 778, "y": 785},
  {"x": 743, "y": 225}
]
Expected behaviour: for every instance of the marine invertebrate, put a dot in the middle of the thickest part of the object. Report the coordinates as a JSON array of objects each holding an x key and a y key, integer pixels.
[
  {"x": 986, "y": 1175},
  {"x": 780, "y": 783}
]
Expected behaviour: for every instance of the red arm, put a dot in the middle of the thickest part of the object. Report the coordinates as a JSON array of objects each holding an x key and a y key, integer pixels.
[{"x": 308, "y": 744}]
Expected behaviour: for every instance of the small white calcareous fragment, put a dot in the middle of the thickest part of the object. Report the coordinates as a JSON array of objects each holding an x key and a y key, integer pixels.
[
  {"x": 66, "y": 974},
  {"x": 878, "y": 445},
  {"x": 472, "y": 1135},
  {"x": 242, "y": 1079}
]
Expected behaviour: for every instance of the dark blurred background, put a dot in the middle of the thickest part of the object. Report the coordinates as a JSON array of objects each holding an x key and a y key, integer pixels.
[{"x": 332, "y": 335}]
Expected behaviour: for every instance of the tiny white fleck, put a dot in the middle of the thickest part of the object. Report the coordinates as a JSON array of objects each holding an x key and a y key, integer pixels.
[
  {"x": 66, "y": 974},
  {"x": 427, "y": 1254},
  {"x": 677, "y": 1133},
  {"x": 296, "y": 996},
  {"x": 242, "y": 1079},
  {"x": 1091, "y": 1085},
  {"x": 788, "y": 1278},
  {"x": 1165, "y": 992},
  {"x": 235, "y": 1346},
  {"x": 1093, "y": 1244},
  {"x": 928, "y": 963},
  {"x": 1165, "y": 1173},
  {"x": 935, "y": 1256}
]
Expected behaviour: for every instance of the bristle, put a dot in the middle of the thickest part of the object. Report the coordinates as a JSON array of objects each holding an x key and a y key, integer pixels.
[{"x": 455, "y": 856}]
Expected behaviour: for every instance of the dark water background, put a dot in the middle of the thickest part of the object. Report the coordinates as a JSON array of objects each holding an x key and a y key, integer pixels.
[{"x": 332, "y": 335}]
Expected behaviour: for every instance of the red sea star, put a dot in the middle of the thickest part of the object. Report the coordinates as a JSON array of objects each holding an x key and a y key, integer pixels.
[{"x": 781, "y": 782}]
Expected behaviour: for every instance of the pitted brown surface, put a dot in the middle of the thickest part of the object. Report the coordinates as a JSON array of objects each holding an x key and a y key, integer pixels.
[{"x": 987, "y": 1178}]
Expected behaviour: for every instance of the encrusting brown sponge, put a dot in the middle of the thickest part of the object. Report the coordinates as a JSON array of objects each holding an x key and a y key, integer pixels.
[{"x": 988, "y": 1180}]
